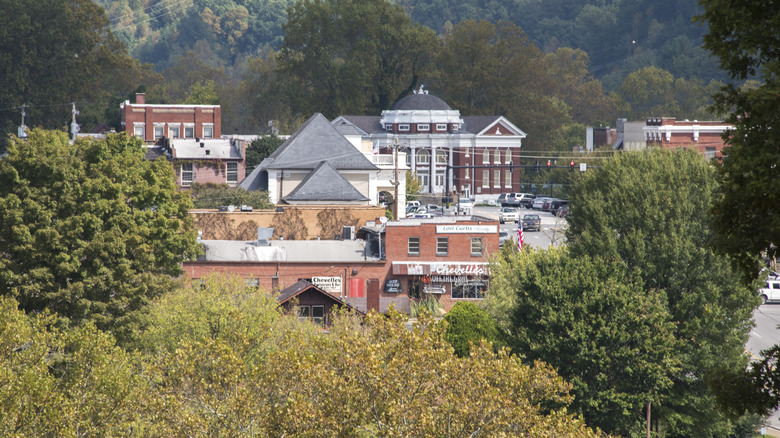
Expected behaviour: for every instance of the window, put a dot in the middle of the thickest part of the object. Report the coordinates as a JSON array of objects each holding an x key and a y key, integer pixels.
[
  {"x": 442, "y": 245},
  {"x": 208, "y": 130},
  {"x": 174, "y": 131},
  {"x": 424, "y": 179},
  {"x": 466, "y": 173},
  {"x": 508, "y": 178},
  {"x": 476, "y": 246},
  {"x": 469, "y": 289},
  {"x": 485, "y": 156},
  {"x": 423, "y": 127},
  {"x": 497, "y": 156},
  {"x": 187, "y": 174},
  {"x": 709, "y": 153},
  {"x": 403, "y": 127},
  {"x": 318, "y": 314},
  {"x": 189, "y": 131},
  {"x": 304, "y": 312},
  {"x": 441, "y": 157},
  {"x": 485, "y": 178},
  {"x": 439, "y": 177},
  {"x": 508, "y": 156},
  {"x": 253, "y": 283},
  {"x": 455, "y": 126},
  {"x": 414, "y": 288},
  {"x": 497, "y": 178},
  {"x": 139, "y": 131},
  {"x": 423, "y": 157},
  {"x": 232, "y": 173},
  {"x": 414, "y": 246},
  {"x": 441, "y": 126},
  {"x": 159, "y": 130},
  {"x": 388, "y": 126}
]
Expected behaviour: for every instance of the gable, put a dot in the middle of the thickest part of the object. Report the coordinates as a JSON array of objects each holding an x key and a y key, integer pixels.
[{"x": 325, "y": 184}]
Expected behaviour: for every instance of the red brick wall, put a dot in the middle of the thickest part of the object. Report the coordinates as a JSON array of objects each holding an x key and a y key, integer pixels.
[{"x": 170, "y": 114}]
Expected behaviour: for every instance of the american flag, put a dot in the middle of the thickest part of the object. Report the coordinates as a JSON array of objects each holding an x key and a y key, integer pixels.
[{"x": 519, "y": 235}]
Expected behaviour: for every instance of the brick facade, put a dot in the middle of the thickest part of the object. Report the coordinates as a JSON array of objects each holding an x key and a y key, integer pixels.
[
  {"x": 140, "y": 116},
  {"x": 703, "y": 137}
]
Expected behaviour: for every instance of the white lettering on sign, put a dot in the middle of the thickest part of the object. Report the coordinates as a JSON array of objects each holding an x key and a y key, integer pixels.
[
  {"x": 466, "y": 229},
  {"x": 414, "y": 270},
  {"x": 328, "y": 284},
  {"x": 458, "y": 269}
]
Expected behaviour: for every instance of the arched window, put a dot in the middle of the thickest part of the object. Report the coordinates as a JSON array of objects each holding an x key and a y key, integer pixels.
[
  {"x": 497, "y": 156},
  {"x": 423, "y": 157},
  {"x": 441, "y": 157},
  {"x": 508, "y": 156}
]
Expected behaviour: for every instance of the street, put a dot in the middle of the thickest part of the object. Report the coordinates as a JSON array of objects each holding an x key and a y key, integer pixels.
[{"x": 552, "y": 233}]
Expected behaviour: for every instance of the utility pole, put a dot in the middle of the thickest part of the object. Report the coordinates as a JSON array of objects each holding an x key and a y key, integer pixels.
[
  {"x": 74, "y": 127},
  {"x": 22, "y": 129},
  {"x": 395, "y": 179}
]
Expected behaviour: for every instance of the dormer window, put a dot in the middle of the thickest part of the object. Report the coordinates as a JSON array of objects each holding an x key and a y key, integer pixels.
[
  {"x": 455, "y": 126},
  {"x": 441, "y": 126},
  {"x": 403, "y": 127},
  {"x": 421, "y": 127},
  {"x": 388, "y": 126}
]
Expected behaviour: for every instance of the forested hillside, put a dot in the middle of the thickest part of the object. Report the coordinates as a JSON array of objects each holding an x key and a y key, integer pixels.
[{"x": 619, "y": 36}]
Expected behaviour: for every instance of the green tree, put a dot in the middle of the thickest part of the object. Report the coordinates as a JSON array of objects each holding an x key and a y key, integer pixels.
[
  {"x": 91, "y": 230},
  {"x": 55, "y": 53},
  {"x": 650, "y": 211},
  {"x": 467, "y": 323},
  {"x": 744, "y": 39},
  {"x": 212, "y": 195},
  {"x": 413, "y": 187},
  {"x": 593, "y": 321},
  {"x": 351, "y": 56},
  {"x": 261, "y": 148}
]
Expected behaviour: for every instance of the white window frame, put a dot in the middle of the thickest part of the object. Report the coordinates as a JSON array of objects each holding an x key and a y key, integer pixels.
[
  {"x": 139, "y": 130},
  {"x": 497, "y": 178},
  {"x": 455, "y": 126},
  {"x": 318, "y": 314},
  {"x": 466, "y": 174},
  {"x": 209, "y": 126},
  {"x": 424, "y": 179},
  {"x": 441, "y": 157},
  {"x": 186, "y": 182},
  {"x": 411, "y": 243},
  {"x": 507, "y": 178},
  {"x": 423, "y": 157},
  {"x": 439, "y": 175},
  {"x": 231, "y": 173},
  {"x": 486, "y": 156},
  {"x": 485, "y": 178},
  {"x": 477, "y": 246},
  {"x": 508, "y": 158},
  {"x": 709, "y": 152},
  {"x": 304, "y": 312},
  {"x": 497, "y": 156},
  {"x": 423, "y": 127},
  {"x": 403, "y": 127},
  {"x": 388, "y": 126},
  {"x": 191, "y": 128},
  {"x": 174, "y": 131},
  {"x": 159, "y": 130}
]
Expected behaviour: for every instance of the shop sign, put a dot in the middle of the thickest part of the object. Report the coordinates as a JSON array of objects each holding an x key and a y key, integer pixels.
[
  {"x": 454, "y": 279},
  {"x": 466, "y": 229},
  {"x": 393, "y": 285},
  {"x": 328, "y": 284},
  {"x": 459, "y": 269}
]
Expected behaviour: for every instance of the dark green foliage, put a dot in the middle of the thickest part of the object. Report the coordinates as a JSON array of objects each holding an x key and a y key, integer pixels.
[
  {"x": 467, "y": 323},
  {"x": 260, "y": 148},
  {"x": 211, "y": 195},
  {"x": 592, "y": 320},
  {"x": 650, "y": 211},
  {"x": 91, "y": 230}
]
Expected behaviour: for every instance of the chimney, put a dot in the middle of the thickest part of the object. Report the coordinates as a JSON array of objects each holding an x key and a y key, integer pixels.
[{"x": 140, "y": 98}]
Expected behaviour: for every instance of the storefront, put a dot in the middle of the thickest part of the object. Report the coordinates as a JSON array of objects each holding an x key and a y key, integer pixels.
[{"x": 450, "y": 281}]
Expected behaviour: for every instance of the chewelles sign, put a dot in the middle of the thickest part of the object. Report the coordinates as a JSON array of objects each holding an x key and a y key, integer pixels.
[{"x": 442, "y": 269}]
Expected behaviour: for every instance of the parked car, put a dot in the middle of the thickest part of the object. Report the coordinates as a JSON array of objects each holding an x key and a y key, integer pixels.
[
  {"x": 500, "y": 199},
  {"x": 511, "y": 200},
  {"x": 558, "y": 203},
  {"x": 527, "y": 200},
  {"x": 562, "y": 211},
  {"x": 503, "y": 236},
  {"x": 539, "y": 202},
  {"x": 771, "y": 292},
  {"x": 532, "y": 222},
  {"x": 434, "y": 209},
  {"x": 508, "y": 214},
  {"x": 465, "y": 205}
]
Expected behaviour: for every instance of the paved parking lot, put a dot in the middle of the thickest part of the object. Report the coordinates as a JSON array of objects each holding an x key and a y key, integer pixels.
[{"x": 552, "y": 232}]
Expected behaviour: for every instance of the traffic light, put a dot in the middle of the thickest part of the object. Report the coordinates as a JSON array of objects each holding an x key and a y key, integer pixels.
[
  {"x": 571, "y": 165},
  {"x": 549, "y": 165}
]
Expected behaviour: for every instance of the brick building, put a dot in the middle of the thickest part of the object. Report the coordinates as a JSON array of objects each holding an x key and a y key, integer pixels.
[
  {"x": 704, "y": 137},
  {"x": 445, "y": 258},
  {"x": 152, "y": 122}
]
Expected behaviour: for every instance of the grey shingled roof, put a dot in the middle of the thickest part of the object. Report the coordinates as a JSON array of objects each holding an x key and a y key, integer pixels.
[
  {"x": 420, "y": 101},
  {"x": 301, "y": 286},
  {"x": 316, "y": 141},
  {"x": 476, "y": 124},
  {"x": 369, "y": 124},
  {"x": 325, "y": 184}
]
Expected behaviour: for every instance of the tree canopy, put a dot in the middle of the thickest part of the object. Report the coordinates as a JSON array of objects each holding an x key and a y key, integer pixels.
[
  {"x": 92, "y": 231},
  {"x": 650, "y": 211}
]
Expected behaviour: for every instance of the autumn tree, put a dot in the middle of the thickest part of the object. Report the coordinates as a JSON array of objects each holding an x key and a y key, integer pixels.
[
  {"x": 650, "y": 212},
  {"x": 92, "y": 231}
]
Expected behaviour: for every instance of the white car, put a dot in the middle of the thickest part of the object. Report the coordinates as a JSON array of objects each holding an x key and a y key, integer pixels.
[
  {"x": 465, "y": 205},
  {"x": 508, "y": 214},
  {"x": 771, "y": 292}
]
